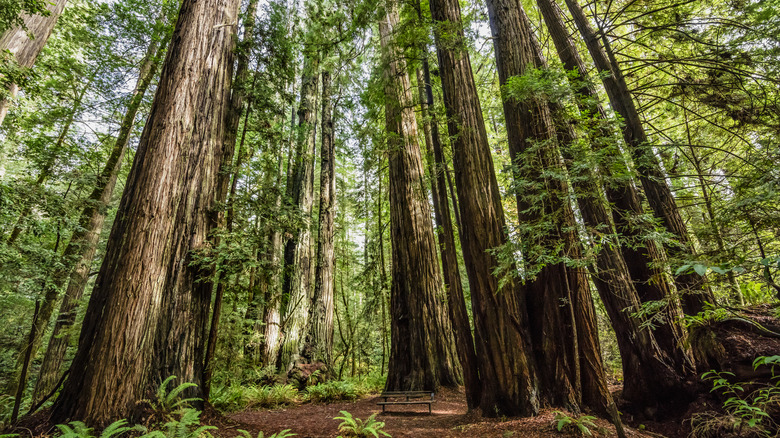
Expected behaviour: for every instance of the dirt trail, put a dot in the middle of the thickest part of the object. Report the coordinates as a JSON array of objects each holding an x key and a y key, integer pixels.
[{"x": 448, "y": 419}]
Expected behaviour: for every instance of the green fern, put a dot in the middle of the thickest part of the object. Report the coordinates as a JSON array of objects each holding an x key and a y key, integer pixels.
[
  {"x": 169, "y": 400},
  {"x": 188, "y": 426},
  {"x": 77, "y": 429},
  {"x": 281, "y": 434},
  {"x": 355, "y": 427},
  {"x": 582, "y": 424}
]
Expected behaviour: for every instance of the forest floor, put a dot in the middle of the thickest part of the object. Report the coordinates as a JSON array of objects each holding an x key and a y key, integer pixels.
[{"x": 449, "y": 418}]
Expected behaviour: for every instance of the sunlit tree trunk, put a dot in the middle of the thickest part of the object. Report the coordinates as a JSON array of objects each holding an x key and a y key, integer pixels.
[
  {"x": 506, "y": 368},
  {"x": 422, "y": 355},
  {"x": 83, "y": 243},
  {"x": 319, "y": 337},
  {"x": 147, "y": 315},
  {"x": 299, "y": 251}
]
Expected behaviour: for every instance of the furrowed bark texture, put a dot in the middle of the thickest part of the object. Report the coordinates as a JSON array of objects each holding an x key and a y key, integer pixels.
[
  {"x": 299, "y": 251},
  {"x": 506, "y": 368},
  {"x": 319, "y": 338},
  {"x": 557, "y": 326},
  {"x": 83, "y": 243},
  {"x": 461, "y": 327},
  {"x": 615, "y": 275},
  {"x": 147, "y": 314},
  {"x": 422, "y": 355}
]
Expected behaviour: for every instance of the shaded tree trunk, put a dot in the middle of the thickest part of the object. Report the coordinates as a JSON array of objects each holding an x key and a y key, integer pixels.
[
  {"x": 422, "y": 355},
  {"x": 456, "y": 301},
  {"x": 506, "y": 368},
  {"x": 26, "y": 49},
  {"x": 557, "y": 330},
  {"x": 659, "y": 196},
  {"x": 618, "y": 263},
  {"x": 224, "y": 185},
  {"x": 83, "y": 243},
  {"x": 147, "y": 315},
  {"x": 319, "y": 338}
]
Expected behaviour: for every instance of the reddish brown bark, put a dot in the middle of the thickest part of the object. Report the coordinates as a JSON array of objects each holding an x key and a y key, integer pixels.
[
  {"x": 506, "y": 369},
  {"x": 147, "y": 314},
  {"x": 422, "y": 355}
]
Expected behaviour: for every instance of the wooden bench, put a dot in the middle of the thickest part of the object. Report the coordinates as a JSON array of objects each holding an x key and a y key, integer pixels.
[{"x": 406, "y": 398}]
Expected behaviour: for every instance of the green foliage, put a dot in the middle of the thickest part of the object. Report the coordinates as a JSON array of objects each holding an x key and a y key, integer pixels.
[
  {"x": 582, "y": 425},
  {"x": 168, "y": 401},
  {"x": 77, "y": 429},
  {"x": 747, "y": 405},
  {"x": 281, "y": 434},
  {"x": 186, "y": 426},
  {"x": 355, "y": 427}
]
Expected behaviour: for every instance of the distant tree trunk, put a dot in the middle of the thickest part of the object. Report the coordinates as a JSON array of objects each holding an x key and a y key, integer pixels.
[
  {"x": 319, "y": 338},
  {"x": 48, "y": 166},
  {"x": 422, "y": 355},
  {"x": 506, "y": 368},
  {"x": 653, "y": 180},
  {"x": 461, "y": 327},
  {"x": 298, "y": 254},
  {"x": 272, "y": 277},
  {"x": 147, "y": 315},
  {"x": 83, "y": 243},
  {"x": 26, "y": 49}
]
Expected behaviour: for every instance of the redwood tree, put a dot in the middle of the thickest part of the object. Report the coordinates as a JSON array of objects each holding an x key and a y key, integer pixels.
[
  {"x": 506, "y": 369},
  {"x": 147, "y": 314},
  {"x": 422, "y": 355}
]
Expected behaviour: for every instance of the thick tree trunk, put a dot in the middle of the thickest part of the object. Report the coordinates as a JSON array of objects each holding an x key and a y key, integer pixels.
[
  {"x": 26, "y": 49},
  {"x": 633, "y": 265},
  {"x": 461, "y": 327},
  {"x": 659, "y": 196},
  {"x": 543, "y": 205},
  {"x": 506, "y": 368},
  {"x": 147, "y": 314},
  {"x": 83, "y": 243},
  {"x": 422, "y": 355},
  {"x": 298, "y": 254},
  {"x": 319, "y": 338}
]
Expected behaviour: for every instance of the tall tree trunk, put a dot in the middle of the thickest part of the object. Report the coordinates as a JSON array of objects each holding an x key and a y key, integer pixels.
[
  {"x": 642, "y": 255},
  {"x": 83, "y": 243},
  {"x": 299, "y": 248},
  {"x": 224, "y": 185},
  {"x": 422, "y": 355},
  {"x": 147, "y": 315},
  {"x": 506, "y": 368},
  {"x": 271, "y": 278},
  {"x": 659, "y": 196},
  {"x": 25, "y": 49},
  {"x": 543, "y": 206},
  {"x": 319, "y": 338},
  {"x": 461, "y": 327}
]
